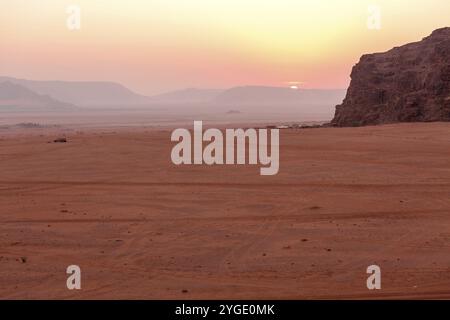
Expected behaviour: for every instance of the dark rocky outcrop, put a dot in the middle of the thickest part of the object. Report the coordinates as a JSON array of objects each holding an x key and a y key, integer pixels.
[{"x": 410, "y": 83}]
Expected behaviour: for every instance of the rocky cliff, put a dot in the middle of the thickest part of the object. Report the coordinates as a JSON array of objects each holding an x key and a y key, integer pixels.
[{"x": 410, "y": 83}]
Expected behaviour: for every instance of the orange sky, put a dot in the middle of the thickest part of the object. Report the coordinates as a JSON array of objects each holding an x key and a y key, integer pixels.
[{"x": 154, "y": 46}]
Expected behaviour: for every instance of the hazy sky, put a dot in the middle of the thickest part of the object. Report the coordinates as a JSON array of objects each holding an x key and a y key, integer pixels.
[{"x": 154, "y": 46}]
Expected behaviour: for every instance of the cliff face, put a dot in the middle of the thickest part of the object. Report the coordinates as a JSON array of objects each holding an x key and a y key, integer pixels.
[{"x": 406, "y": 84}]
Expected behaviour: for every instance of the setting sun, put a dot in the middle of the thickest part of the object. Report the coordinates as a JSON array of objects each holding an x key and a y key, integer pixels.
[{"x": 156, "y": 46}]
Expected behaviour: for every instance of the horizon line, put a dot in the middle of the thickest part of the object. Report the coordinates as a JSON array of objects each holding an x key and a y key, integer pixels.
[{"x": 172, "y": 90}]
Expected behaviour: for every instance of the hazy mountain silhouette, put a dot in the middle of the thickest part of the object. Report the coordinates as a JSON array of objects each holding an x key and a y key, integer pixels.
[
  {"x": 17, "y": 97},
  {"x": 257, "y": 96},
  {"x": 246, "y": 98},
  {"x": 261, "y": 95},
  {"x": 187, "y": 96},
  {"x": 87, "y": 93}
]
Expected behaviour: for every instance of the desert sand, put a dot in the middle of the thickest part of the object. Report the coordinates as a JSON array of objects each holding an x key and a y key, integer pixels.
[{"x": 140, "y": 227}]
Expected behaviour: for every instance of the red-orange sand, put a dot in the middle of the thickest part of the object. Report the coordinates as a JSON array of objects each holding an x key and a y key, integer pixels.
[{"x": 140, "y": 227}]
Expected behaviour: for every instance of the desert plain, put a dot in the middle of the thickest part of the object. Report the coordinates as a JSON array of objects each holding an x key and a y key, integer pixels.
[{"x": 111, "y": 201}]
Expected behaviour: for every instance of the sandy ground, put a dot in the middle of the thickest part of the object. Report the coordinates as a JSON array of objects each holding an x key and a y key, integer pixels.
[{"x": 140, "y": 227}]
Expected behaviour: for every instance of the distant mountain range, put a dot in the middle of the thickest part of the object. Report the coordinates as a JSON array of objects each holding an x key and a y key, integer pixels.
[
  {"x": 82, "y": 93},
  {"x": 66, "y": 94},
  {"x": 16, "y": 97},
  {"x": 272, "y": 96},
  {"x": 187, "y": 96}
]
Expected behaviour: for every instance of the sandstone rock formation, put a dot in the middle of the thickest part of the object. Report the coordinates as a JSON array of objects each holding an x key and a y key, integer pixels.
[{"x": 410, "y": 83}]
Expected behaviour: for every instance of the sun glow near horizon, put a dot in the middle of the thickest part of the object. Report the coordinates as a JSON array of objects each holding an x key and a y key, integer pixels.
[{"x": 156, "y": 46}]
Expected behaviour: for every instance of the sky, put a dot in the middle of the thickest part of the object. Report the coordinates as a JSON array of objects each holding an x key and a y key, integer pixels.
[{"x": 155, "y": 46}]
